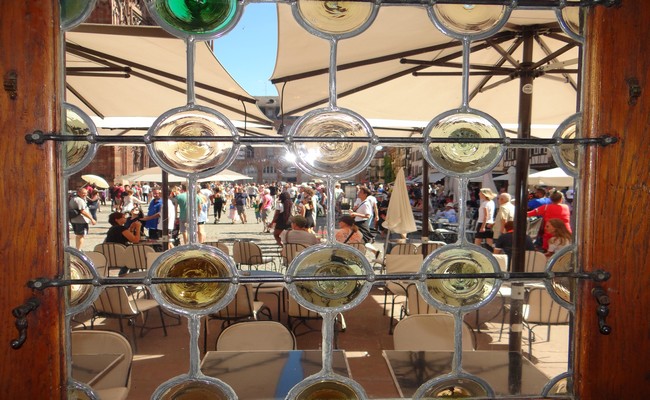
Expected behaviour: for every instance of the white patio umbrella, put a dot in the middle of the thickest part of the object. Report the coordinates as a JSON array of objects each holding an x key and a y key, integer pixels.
[
  {"x": 154, "y": 174},
  {"x": 399, "y": 216},
  {"x": 551, "y": 177},
  {"x": 95, "y": 180}
]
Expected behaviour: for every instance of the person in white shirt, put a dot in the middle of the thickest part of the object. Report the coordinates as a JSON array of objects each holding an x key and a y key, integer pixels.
[
  {"x": 362, "y": 212},
  {"x": 485, "y": 217},
  {"x": 505, "y": 213}
]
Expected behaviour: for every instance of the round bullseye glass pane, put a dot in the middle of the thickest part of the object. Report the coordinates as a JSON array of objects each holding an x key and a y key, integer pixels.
[
  {"x": 330, "y": 262},
  {"x": 194, "y": 262},
  {"x": 78, "y": 270},
  {"x": 200, "y": 157},
  {"x": 467, "y": 20},
  {"x": 74, "y": 12},
  {"x": 332, "y": 390},
  {"x": 77, "y": 154},
  {"x": 195, "y": 390},
  {"x": 455, "y": 388},
  {"x": 204, "y": 19},
  {"x": 335, "y": 18},
  {"x": 327, "y": 157},
  {"x": 564, "y": 287},
  {"x": 466, "y": 293},
  {"x": 463, "y": 158},
  {"x": 571, "y": 21},
  {"x": 567, "y": 155}
]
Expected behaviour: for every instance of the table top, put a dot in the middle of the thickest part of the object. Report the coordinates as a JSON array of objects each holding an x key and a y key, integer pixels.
[
  {"x": 89, "y": 368},
  {"x": 267, "y": 374},
  {"x": 411, "y": 369}
]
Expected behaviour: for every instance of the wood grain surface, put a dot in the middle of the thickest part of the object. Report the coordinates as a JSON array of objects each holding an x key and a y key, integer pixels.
[{"x": 29, "y": 238}]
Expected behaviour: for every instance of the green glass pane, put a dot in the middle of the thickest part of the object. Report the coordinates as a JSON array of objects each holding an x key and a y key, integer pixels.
[
  {"x": 197, "y": 16},
  {"x": 73, "y": 12}
]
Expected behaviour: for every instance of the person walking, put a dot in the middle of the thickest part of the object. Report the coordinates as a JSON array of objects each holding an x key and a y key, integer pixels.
[
  {"x": 82, "y": 218},
  {"x": 240, "y": 203},
  {"x": 153, "y": 213},
  {"x": 266, "y": 207},
  {"x": 362, "y": 212}
]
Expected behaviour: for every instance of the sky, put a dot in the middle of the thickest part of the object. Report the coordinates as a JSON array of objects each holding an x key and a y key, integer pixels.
[{"x": 248, "y": 51}]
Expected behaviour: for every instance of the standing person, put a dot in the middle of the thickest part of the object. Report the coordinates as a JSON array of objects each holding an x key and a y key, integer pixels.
[
  {"x": 503, "y": 245},
  {"x": 252, "y": 191},
  {"x": 129, "y": 201},
  {"x": 93, "y": 203},
  {"x": 219, "y": 201},
  {"x": 505, "y": 213},
  {"x": 485, "y": 217},
  {"x": 80, "y": 222},
  {"x": 153, "y": 213},
  {"x": 240, "y": 203},
  {"x": 266, "y": 205},
  {"x": 202, "y": 219},
  {"x": 539, "y": 199},
  {"x": 181, "y": 200},
  {"x": 550, "y": 211},
  {"x": 362, "y": 212},
  {"x": 146, "y": 189},
  {"x": 281, "y": 219}
]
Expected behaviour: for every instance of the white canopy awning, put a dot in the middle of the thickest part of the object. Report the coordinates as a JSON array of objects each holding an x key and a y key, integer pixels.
[
  {"x": 138, "y": 72},
  {"x": 373, "y": 81}
]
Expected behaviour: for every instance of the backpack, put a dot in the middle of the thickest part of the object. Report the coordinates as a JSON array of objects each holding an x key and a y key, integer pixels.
[{"x": 73, "y": 212}]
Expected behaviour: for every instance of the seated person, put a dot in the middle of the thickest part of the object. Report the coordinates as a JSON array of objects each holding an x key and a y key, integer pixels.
[
  {"x": 299, "y": 232},
  {"x": 348, "y": 232},
  {"x": 118, "y": 233},
  {"x": 503, "y": 244},
  {"x": 448, "y": 213},
  {"x": 560, "y": 236}
]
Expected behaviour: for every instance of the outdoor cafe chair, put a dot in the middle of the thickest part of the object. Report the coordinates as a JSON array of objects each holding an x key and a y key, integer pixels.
[
  {"x": 431, "y": 247},
  {"x": 116, "y": 383},
  {"x": 116, "y": 302},
  {"x": 290, "y": 251},
  {"x": 220, "y": 245},
  {"x": 298, "y": 315},
  {"x": 399, "y": 264},
  {"x": 250, "y": 254},
  {"x": 541, "y": 309},
  {"x": 242, "y": 307},
  {"x": 256, "y": 335},
  {"x": 99, "y": 262},
  {"x": 430, "y": 332},
  {"x": 115, "y": 254},
  {"x": 136, "y": 256}
]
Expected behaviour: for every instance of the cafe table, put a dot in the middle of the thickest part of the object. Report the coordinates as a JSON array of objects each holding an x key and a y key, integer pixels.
[
  {"x": 90, "y": 368},
  {"x": 411, "y": 369},
  {"x": 268, "y": 374}
]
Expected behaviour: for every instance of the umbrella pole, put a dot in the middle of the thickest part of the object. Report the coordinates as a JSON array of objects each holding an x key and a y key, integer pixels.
[
  {"x": 165, "y": 209},
  {"x": 425, "y": 207},
  {"x": 518, "y": 248}
]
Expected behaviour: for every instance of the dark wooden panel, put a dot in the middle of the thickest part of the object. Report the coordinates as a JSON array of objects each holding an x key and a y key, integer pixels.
[
  {"x": 615, "y": 224},
  {"x": 29, "y": 244}
]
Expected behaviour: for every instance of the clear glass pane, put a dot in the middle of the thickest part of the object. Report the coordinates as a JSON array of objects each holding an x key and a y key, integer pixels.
[
  {"x": 194, "y": 390},
  {"x": 335, "y": 17},
  {"x": 463, "y": 158},
  {"x": 328, "y": 390},
  {"x": 77, "y": 154},
  {"x": 572, "y": 16},
  {"x": 192, "y": 157},
  {"x": 193, "y": 263},
  {"x": 78, "y": 270},
  {"x": 467, "y": 19},
  {"x": 329, "y": 158},
  {"x": 567, "y": 155},
  {"x": 330, "y": 262},
  {"x": 459, "y": 292}
]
